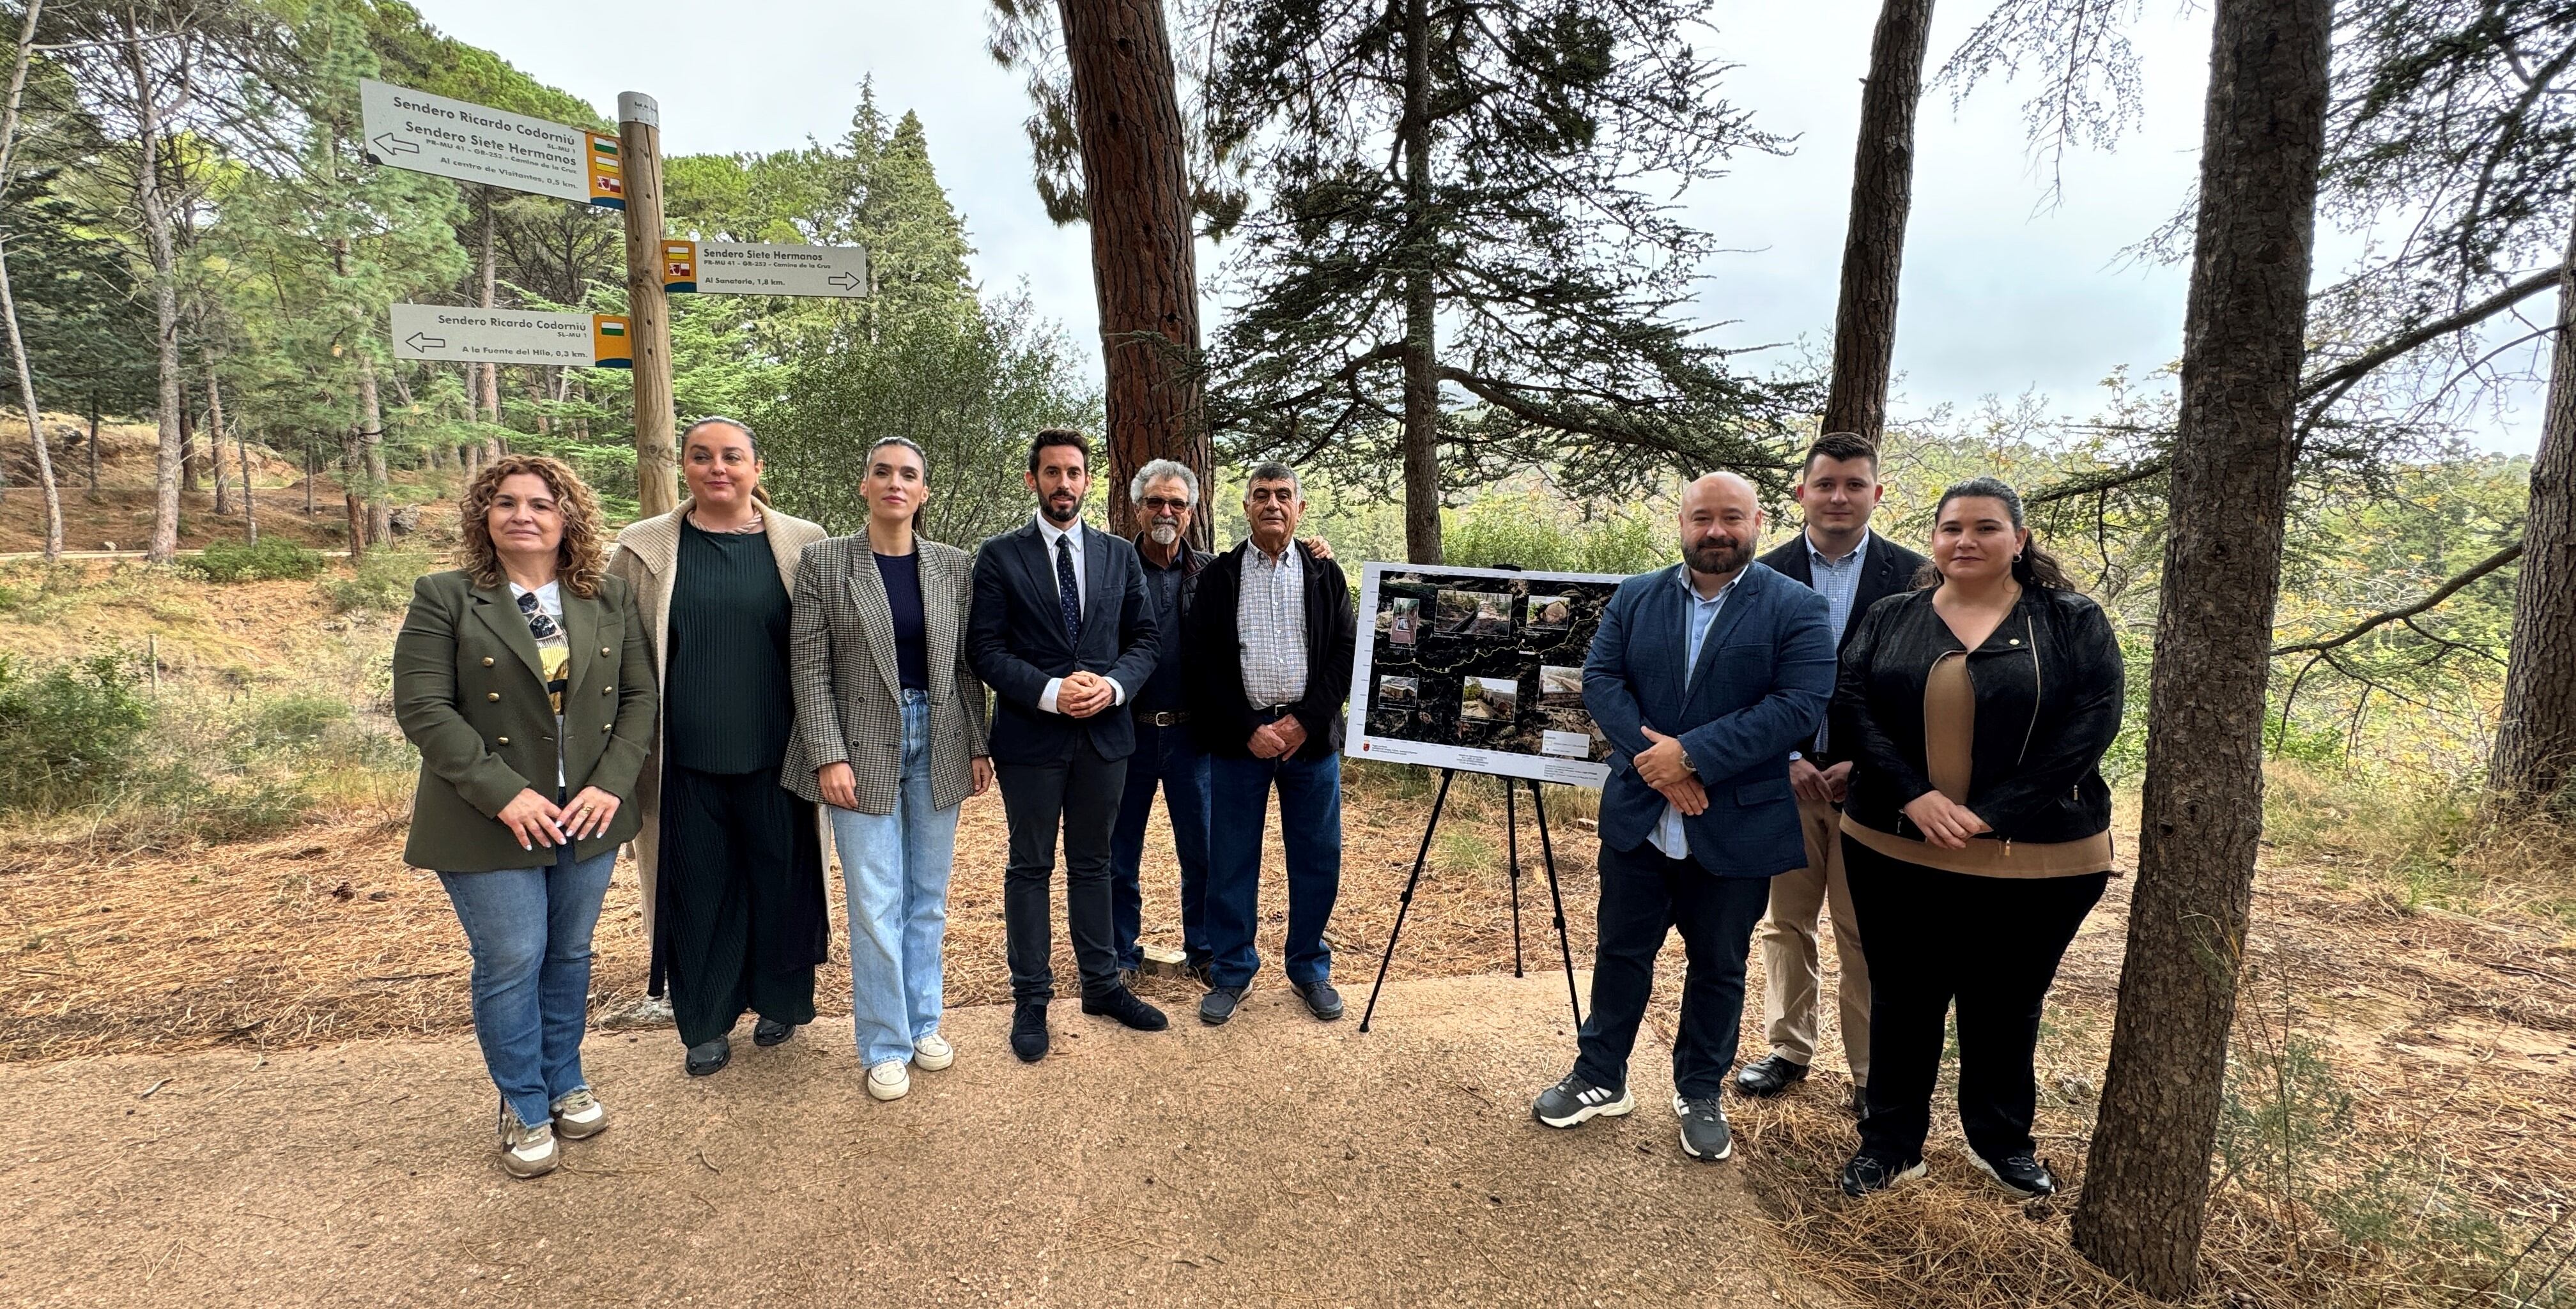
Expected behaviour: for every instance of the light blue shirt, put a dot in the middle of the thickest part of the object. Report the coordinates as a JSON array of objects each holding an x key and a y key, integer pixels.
[
  {"x": 1838, "y": 581},
  {"x": 1698, "y": 616}
]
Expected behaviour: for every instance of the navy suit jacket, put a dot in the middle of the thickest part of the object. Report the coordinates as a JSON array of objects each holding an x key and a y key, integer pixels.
[
  {"x": 1766, "y": 671},
  {"x": 1015, "y": 639}
]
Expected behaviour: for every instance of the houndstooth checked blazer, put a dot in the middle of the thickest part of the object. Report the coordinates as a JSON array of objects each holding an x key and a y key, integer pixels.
[{"x": 841, "y": 657}]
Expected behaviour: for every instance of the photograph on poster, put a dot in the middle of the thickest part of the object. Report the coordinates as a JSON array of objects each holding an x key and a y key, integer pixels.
[
  {"x": 1401, "y": 619},
  {"x": 1560, "y": 687},
  {"x": 1397, "y": 691},
  {"x": 1550, "y": 613},
  {"x": 1493, "y": 699},
  {"x": 1479, "y": 614}
]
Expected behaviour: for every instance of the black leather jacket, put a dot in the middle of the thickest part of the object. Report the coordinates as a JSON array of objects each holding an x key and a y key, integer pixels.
[{"x": 2048, "y": 704}]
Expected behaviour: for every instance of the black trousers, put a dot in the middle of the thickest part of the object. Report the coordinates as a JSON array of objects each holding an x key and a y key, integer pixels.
[
  {"x": 1643, "y": 897},
  {"x": 1078, "y": 796},
  {"x": 1992, "y": 944},
  {"x": 739, "y": 919}
]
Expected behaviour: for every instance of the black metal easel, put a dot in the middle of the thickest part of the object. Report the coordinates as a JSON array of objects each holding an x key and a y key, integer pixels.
[{"x": 1547, "y": 855}]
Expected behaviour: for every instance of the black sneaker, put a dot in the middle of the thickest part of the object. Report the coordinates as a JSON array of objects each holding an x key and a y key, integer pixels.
[
  {"x": 707, "y": 1058},
  {"x": 1574, "y": 1102},
  {"x": 1769, "y": 1076},
  {"x": 2022, "y": 1175},
  {"x": 1321, "y": 1000},
  {"x": 1866, "y": 1173},
  {"x": 768, "y": 1032},
  {"x": 1029, "y": 1031},
  {"x": 1123, "y": 1005},
  {"x": 1705, "y": 1136},
  {"x": 1220, "y": 1003}
]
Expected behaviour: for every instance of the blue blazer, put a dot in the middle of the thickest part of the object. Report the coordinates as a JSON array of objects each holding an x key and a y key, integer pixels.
[
  {"x": 1765, "y": 674},
  {"x": 1016, "y": 641}
]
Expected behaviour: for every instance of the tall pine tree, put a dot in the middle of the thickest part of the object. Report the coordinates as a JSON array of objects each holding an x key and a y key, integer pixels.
[{"x": 1460, "y": 268}]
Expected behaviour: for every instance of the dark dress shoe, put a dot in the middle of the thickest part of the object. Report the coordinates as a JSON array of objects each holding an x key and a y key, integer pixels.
[
  {"x": 1321, "y": 999},
  {"x": 1220, "y": 1003},
  {"x": 769, "y": 1031},
  {"x": 706, "y": 1057},
  {"x": 1123, "y": 1005},
  {"x": 1029, "y": 1032},
  {"x": 1768, "y": 1076}
]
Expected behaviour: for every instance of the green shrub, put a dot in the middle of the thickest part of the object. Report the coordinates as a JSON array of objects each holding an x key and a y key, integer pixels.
[
  {"x": 70, "y": 733},
  {"x": 1538, "y": 533},
  {"x": 295, "y": 720},
  {"x": 381, "y": 583},
  {"x": 270, "y": 560},
  {"x": 176, "y": 802}
]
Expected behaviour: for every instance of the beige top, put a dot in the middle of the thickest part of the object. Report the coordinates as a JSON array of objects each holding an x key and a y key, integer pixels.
[{"x": 1949, "y": 738}]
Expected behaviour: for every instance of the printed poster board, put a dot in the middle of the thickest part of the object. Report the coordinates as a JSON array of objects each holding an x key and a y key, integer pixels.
[{"x": 1478, "y": 669}]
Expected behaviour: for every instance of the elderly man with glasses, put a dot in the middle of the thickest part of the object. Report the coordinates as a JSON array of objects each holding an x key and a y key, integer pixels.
[{"x": 1166, "y": 497}]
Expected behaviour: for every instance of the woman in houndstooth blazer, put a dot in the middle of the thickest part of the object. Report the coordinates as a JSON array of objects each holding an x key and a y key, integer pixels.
[{"x": 890, "y": 736}]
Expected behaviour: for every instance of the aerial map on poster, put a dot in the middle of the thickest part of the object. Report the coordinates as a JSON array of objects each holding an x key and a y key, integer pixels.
[{"x": 1479, "y": 669}]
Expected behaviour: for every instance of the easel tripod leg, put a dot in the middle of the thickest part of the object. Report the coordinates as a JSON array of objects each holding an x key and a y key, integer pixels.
[
  {"x": 1547, "y": 853},
  {"x": 1447, "y": 775},
  {"x": 1512, "y": 843}
]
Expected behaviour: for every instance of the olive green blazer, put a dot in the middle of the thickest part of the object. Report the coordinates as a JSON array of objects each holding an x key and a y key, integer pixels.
[{"x": 470, "y": 693}]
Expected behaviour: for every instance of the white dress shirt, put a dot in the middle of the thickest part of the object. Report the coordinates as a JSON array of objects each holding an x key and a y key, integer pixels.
[{"x": 1048, "y": 535}]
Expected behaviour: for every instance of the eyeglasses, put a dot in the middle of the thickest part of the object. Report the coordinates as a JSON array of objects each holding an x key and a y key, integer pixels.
[{"x": 1162, "y": 502}]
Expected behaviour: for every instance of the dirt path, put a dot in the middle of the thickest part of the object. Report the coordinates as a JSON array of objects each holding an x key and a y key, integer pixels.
[{"x": 1273, "y": 1161}]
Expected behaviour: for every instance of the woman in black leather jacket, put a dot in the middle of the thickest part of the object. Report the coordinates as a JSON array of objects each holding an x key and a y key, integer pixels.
[{"x": 1977, "y": 835}]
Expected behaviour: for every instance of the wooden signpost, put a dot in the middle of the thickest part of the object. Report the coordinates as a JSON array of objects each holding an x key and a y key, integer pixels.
[{"x": 467, "y": 142}]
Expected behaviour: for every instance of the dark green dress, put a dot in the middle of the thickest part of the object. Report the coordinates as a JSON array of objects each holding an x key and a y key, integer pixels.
[{"x": 740, "y": 920}]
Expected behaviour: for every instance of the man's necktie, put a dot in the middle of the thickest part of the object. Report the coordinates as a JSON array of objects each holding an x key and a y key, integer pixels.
[{"x": 1068, "y": 593}]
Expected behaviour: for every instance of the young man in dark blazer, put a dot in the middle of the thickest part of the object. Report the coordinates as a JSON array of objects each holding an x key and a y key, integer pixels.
[
  {"x": 1063, "y": 633},
  {"x": 1703, "y": 676},
  {"x": 1838, "y": 557},
  {"x": 1271, "y": 632}
]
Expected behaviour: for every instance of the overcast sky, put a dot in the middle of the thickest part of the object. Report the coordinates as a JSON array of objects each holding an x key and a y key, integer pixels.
[{"x": 2001, "y": 293}]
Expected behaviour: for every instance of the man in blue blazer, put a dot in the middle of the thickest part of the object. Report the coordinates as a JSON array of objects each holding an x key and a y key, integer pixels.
[
  {"x": 1703, "y": 676},
  {"x": 1063, "y": 633}
]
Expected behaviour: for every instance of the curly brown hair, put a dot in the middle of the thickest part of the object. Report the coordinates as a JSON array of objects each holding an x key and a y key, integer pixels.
[{"x": 578, "y": 561}]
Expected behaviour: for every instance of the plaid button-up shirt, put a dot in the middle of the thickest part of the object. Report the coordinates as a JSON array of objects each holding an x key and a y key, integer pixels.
[{"x": 1270, "y": 616}]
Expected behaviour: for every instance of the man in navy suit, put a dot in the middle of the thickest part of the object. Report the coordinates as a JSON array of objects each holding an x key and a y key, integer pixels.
[
  {"x": 1704, "y": 676},
  {"x": 1063, "y": 633}
]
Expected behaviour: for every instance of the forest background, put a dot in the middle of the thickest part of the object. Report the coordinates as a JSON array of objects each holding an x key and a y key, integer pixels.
[{"x": 195, "y": 245}]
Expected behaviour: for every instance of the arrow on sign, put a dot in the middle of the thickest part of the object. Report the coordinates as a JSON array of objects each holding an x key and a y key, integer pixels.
[
  {"x": 387, "y": 143},
  {"x": 845, "y": 281},
  {"x": 424, "y": 341}
]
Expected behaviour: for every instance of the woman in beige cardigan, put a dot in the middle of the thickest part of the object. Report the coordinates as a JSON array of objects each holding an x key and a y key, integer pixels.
[{"x": 732, "y": 865}]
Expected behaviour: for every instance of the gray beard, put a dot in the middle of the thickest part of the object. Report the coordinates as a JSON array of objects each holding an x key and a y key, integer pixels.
[{"x": 1163, "y": 534}]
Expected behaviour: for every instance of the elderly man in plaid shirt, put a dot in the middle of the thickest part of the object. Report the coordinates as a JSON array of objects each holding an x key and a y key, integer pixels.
[{"x": 1270, "y": 636}]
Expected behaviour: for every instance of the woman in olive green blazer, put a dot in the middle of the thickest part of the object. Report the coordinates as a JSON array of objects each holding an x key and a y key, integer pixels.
[{"x": 525, "y": 680}]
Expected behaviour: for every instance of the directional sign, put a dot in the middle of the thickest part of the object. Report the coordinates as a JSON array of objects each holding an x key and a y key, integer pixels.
[
  {"x": 475, "y": 143},
  {"x": 740, "y": 268},
  {"x": 511, "y": 336}
]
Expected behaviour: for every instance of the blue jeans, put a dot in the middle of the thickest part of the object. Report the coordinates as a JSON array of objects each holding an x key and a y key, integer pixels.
[
  {"x": 1310, "y": 821},
  {"x": 1165, "y": 755},
  {"x": 894, "y": 868},
  {"x": 529, "y": 932}
]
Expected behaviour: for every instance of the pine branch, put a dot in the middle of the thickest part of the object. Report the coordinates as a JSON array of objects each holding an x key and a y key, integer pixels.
[{"x": 2436, "y": 596}]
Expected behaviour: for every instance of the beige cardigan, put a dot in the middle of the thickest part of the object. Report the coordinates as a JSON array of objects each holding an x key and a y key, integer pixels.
[{"x": 648, "y": 556}]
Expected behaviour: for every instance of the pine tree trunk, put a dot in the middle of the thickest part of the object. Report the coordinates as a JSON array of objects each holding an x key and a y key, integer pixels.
[
  {"x": 158, "y": 247},
  {"x": 2535, "y": 745},
  {"x": 191, "y": 463},
  {"x": 35, "y": 413},
  {"x": 215, "y": 442},
  {"x": 1874, "y": 240},
  {"x": 351, "y": 504},
  {"x": 310, "y": 472},
  {"x": 487, "y": 392},
  {"x": 1144, "y": 270},
  {"x": 371, "y": 447},
  {"x": 2146, "y": 1184},
  {"x": 1421, "y": 301},
  {"x": 250, "y": 504}
]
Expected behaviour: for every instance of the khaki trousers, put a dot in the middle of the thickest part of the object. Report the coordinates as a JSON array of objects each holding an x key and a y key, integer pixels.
[{"x": 1793, "y": 976}]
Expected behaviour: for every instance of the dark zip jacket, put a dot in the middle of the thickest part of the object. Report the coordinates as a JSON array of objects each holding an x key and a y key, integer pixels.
[
  {"x": 2048, "y": 705},
  {"x": 1220, "y": 716}
]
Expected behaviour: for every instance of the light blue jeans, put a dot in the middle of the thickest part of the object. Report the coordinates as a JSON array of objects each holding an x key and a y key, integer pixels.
[
  {"x": 894, "y": 868},
  {"x": 529, "y": 932}
]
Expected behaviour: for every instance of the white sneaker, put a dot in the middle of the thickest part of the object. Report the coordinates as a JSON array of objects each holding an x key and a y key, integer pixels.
[
  {"x": 889, "y": 1080},
  {"x": 526, "y": 1151},
  {"x": 932, "y": 1053},
  {"x": 579, "y": 1115}
]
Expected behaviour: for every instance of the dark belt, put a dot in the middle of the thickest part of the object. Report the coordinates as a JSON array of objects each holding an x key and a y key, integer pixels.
[
  {"x": 1273, "y": 713},
  {"x": 1162, "y": 718}
]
